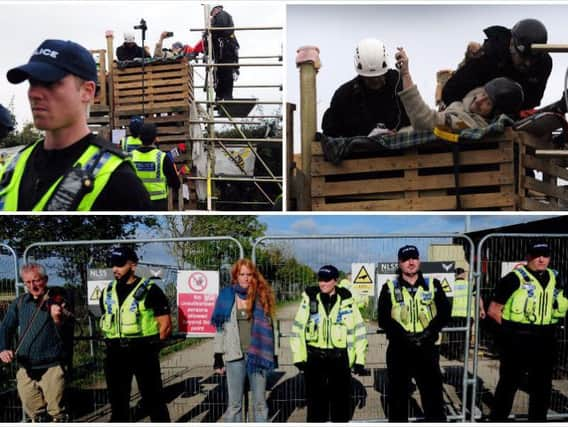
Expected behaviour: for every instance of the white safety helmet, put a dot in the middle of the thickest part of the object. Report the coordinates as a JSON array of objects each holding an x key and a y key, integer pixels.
[{"x": 371, "y": 58}]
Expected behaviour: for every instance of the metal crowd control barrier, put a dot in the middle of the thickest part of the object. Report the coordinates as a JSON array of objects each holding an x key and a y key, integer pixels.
[
  {"x": 67, "y": 263},
  {"x": 497, "y": 254},
  {"x": 10, "y": 407},
  {"x": 290, "y": 263}
]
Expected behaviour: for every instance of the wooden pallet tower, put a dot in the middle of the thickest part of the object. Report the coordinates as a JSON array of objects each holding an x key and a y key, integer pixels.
[{"x": 513, "y": 171}]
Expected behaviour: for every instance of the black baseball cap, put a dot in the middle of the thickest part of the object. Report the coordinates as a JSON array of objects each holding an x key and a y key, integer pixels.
[
  {"x": 407, "y": 252},
  {"x": 55, "y": 59},
  {"x": 119, "y": 256},
  {"x": 327, "y": 273},
  {"x": 537, "y": 249}
]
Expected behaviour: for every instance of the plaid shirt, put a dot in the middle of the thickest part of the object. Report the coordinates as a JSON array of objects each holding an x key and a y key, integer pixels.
[{"x": 337, "y": 149}]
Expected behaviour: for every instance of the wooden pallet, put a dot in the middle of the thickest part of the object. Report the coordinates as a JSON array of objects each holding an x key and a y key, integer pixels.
[
  {"x": 549, "y": 193},
  {"x": 418, "y": 179},
  {"x": 167, "y": 88}
]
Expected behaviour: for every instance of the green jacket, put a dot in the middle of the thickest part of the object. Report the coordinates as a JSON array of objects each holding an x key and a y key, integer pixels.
[{"x": 342, "y": 328}]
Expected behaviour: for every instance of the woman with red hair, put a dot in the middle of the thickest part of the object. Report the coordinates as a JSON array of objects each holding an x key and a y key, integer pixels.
[{"x": 244, "y": 343}]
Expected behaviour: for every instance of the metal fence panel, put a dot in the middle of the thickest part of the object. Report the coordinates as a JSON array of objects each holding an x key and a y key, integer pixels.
[
  {"x": 496, "y": 255},
  {"x": 67, "y": 264},
  {"x": 10, "y": 408},
  {"x": 290, "y": 263}
]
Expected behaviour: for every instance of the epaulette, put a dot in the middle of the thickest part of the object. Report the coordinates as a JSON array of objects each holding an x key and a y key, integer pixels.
[
  {"x": 312, "y": 291},
  {"x": 343, "y": 293},
  {"x": 107, "y": 146}
]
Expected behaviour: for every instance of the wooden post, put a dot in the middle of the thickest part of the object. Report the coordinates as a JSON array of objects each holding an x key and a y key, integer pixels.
[
  {"x": 110, "y": 61},
  {"x": 290, "y": 108},
  {"x": 307, "y": 60}
]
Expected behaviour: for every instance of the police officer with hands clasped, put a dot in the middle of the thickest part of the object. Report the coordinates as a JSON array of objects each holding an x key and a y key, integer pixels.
[
  {"x": 328, "y": 338},
  {"x": 412, "y": 311},
  {"x": 135, "y": 320},
  {"x": 528, "y": 303}
]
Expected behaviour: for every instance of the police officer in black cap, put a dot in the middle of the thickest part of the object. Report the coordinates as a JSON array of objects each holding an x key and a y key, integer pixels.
[
  {"x": 6, "y": 122},
  {"x": 70, "y": 168},
  {"x": 135, "y": 319},
  {"x": 328, "y": 338},
  {"x": 412, "y": 312},
  {"x": 529, "y": 303},
  {"x": 506, "y": 53}
]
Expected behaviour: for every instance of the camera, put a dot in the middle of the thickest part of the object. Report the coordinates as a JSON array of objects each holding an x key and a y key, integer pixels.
[
  {"x": 170, "y": 34},
  {"x": 142, "y": 26}
]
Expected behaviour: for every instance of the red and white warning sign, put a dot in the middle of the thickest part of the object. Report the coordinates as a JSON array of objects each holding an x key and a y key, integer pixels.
[{"x": 197, "y": 293}]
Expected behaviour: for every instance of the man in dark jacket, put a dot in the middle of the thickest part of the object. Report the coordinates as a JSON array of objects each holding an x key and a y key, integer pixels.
[
  {"x": 506, "y": 53},
  {"x": 130, "y": 50},
  {"x": 45, "y": 334},
  {"x": 368, "y": 101},
  {"x": 225, "y": 51}
]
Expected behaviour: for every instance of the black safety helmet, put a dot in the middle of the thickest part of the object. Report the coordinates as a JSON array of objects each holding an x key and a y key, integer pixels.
[
  {"x": 217, "y": 6},
  {"x": 506, "y": 95},
  {"x": 6, "y": 121},
  {"x": 135, "y": 125},
  {"x": 527, "y": 32}
]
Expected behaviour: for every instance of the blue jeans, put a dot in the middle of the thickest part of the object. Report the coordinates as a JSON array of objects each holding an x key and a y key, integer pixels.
[{"x": 236, "y": 374}]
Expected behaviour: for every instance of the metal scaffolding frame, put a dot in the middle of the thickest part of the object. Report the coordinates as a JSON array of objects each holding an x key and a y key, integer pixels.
[{"x": 210, "y": 121}]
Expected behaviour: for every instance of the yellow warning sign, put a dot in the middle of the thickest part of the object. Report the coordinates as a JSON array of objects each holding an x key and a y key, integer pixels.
[
  {"x": 96, "y": 295},
  {"x": 446, "y": 286},
  {"x": 363, "y": 277}
]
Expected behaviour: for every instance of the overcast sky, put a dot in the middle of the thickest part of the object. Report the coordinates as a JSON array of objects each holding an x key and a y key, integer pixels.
[
  {"x": 24, "y": 25},
  {"x": 434, "y": 36}
]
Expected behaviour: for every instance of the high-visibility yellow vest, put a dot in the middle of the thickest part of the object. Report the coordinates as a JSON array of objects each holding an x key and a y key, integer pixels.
[
  {"x": 94, "y": 168},
  {"x": 342, "y": 328},
  {"x": 415, "y": 312},
  {"x": 132, "y": 319},
  {"x": 531, "y": 304},
  {"x": 459, "y": 301},
  {"x": 150, "y": 169},
  {"x": 130, "y": 143}
]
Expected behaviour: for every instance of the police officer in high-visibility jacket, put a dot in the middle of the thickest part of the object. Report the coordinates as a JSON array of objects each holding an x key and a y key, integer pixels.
[
  {"x": 412, "y": 311},
  {"x": 69, "y": 168},
  {"x": 135, "y": 319},
  {"x": 454, "y": 346},
  {"x": 328, "y": 338},
  {"x": 529, "y": 303},
  {"x": 155, "y": 168},
  {"x": 133, "y": 141}
]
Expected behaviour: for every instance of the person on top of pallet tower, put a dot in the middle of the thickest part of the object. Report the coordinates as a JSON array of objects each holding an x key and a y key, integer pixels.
[
  {"x": 505, "y": 53},
  {"x": 370, "y": 99},
  {"x": 129, "y": 50},
  {"x": 70, "y": 168},
  {"x": 225, "y": 51},
  {"x": 177, "y": 49},
  {"x": 155, "y": 168},
  {"x": 478, "y": 107}
]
